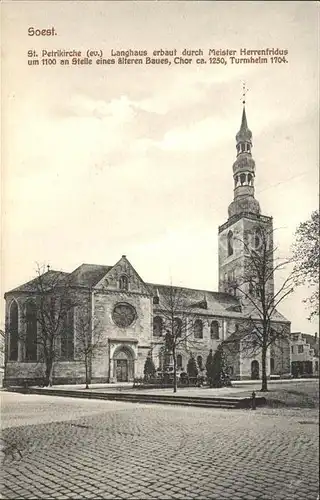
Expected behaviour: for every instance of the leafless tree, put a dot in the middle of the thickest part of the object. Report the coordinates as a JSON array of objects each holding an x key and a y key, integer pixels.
[
  {"x": 88, "y": 335},
  {"x": 53, "y": 301},
  {"x": 261, "y": 326},
  {"x": 306, "y": 251},
  {"x": 179, "y": 321}
]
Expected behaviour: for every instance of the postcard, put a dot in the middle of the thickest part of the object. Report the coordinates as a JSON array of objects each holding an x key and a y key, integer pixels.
[{"x": 160, "y": 240}]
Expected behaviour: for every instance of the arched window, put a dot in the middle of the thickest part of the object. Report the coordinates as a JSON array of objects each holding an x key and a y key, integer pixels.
[
  {"x": 31, "y": 331},
  {"x": 242, "y": 179},
  {"x": 67, "y": 336},
  {"x": 198, "y": 329},
  {"x": 157, "y": 326},
  {"x": 271, "y": 365},
  {"x": 200, "y": 362},
  {"x": 257, "y": 239},
  {"x": 250, "y": 179},
  {"x": 214, "y": 330},
  {"x": 123, "y": 283},
  {"x": 179, "y": 361},
  {"x": 230, "y": 243},
  {"x": 177, "y": 327},
  {"x": 156, "y": 300},
  {"x": 13, "y": 331}
]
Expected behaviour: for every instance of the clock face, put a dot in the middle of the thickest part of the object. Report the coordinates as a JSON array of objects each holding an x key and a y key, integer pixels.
[{"x": 123, "y": 315}]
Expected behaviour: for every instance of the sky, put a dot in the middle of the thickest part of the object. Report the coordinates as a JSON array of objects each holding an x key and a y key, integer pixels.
[{"x": 101, "y": 161}]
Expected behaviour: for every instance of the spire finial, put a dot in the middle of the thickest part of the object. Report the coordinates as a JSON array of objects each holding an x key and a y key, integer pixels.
[{"x": 244, "y": 92}]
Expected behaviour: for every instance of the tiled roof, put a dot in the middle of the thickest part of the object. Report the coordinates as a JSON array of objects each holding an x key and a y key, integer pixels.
[
  {"x": 88, "y": 274},
  {"x": 84, "y": 275},
  {"x": 201, "y": 301},
  {"x": 47, "y": 278},
  {"x": 217, "y": 303}
]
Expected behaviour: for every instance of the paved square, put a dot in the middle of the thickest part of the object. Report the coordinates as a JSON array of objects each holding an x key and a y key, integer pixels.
[{"x": 100, "y": 449}]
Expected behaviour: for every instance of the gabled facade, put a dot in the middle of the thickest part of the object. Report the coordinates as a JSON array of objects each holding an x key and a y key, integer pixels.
[
  {"x": 127, "y": 314},
  {"x": 304, "y": 354}
]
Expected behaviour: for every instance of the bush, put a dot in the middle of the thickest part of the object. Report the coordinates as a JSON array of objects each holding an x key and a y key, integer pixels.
[
  {"x": 216, "y": 369},
  {"x": 149, "y": 368},
  {"x": 192, "y": 368}
]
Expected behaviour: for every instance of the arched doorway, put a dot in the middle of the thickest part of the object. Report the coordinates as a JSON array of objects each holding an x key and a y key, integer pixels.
[
  {"x": 255, "y": 370},
  {"x": 123, "y": 365}
]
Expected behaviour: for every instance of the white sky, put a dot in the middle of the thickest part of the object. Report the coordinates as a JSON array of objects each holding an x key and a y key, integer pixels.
[{"x": 100, "y": 161}]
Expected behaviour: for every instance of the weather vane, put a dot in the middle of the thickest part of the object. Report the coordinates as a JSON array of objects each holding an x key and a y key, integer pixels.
[{"x": 244, "y": 92}]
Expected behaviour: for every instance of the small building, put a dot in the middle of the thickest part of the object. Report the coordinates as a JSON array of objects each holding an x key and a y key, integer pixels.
[{"x": 304, "y": 354}]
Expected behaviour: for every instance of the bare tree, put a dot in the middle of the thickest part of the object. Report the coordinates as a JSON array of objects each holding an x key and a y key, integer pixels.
[
  {"x": 306, "y": 250},
  {"x": 53, "y": 302},
  {"x": 88, "y": 335},
  {"x": 261, "y": 326},
  {"x": 179, "y": 318}
]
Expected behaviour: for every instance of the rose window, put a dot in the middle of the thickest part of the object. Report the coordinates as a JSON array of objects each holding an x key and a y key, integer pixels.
[{"x": 124, "y": 315}]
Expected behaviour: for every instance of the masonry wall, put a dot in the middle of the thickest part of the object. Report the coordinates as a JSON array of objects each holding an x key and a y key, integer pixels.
[
  {"x": 280, "y": 352},
  {"x": 230, "y": 265},
  {"x": 137, "y": 336},
  {"x": 20, "y": 371}
]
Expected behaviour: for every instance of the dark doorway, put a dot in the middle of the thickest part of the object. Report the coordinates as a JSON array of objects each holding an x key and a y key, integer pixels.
[
  {"x": 255, "y": 370},
  {"x": 122, "y": 370}
]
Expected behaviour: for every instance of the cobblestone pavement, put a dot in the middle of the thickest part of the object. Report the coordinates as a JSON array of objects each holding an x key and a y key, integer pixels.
[{"x": 102, "y": 449}]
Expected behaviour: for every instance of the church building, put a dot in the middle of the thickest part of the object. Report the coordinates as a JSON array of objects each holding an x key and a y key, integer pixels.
[{"x": 128, "y": 314}]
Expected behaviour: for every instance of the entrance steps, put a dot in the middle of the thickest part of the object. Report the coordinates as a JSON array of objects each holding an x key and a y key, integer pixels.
[{"x": 174, "y": 399}]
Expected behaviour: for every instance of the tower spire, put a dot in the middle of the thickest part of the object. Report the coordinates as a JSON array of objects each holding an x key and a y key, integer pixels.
[
  {"x": 244, "y": 168},
  {"x": 244, "y": 136}
]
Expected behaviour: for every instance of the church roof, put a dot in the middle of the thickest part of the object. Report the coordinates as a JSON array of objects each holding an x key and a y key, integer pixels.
[
  {"x": 47, "y": 278},
  {"x": 85, "y": 275},
  {"x": 88, "y": 274},
  {"x": 202, "y": 302},
  {"x": 208, "y": 303}
]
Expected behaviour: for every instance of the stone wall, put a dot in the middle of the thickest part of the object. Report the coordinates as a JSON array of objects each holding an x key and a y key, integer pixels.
[
  {"x": 113, "y": 336},
  {"x": 230, "y": 266}
]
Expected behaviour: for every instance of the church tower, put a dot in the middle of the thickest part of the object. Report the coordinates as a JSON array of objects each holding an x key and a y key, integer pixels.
[{"x": 240, "y": 232}]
